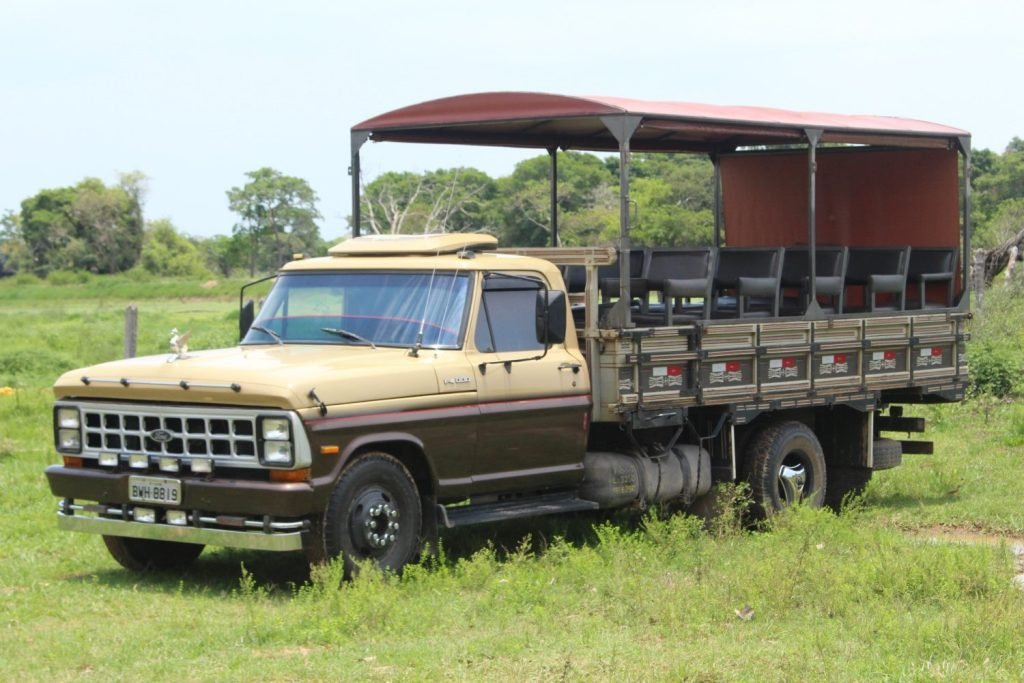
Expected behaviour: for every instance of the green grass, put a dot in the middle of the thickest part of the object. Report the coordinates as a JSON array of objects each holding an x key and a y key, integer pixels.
[{"x": 867, "y": 595}]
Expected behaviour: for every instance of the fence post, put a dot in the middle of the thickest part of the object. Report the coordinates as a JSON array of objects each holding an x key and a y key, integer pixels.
[{"x": 131, "y": 330}]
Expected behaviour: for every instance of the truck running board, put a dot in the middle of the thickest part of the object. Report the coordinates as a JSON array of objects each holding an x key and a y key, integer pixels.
[{"x": 533, "y": 506}]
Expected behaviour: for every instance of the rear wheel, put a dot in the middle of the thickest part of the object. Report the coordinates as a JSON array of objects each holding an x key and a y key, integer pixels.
[
  {"x": 785, "y": 465},
  {"x": 374, "y": 513},
  {"x": 142, "y": 554}
]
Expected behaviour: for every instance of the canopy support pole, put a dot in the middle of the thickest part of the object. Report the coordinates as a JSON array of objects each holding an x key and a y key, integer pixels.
[
  {"x": 358, "y": 139},
  {"x": 553, "y": 153},
  {"x": 622, "y": 127},
  {"x": 965, "y": 260},
  {"x": 813, "y": 138},
  {"x": 716, "y": 165}
]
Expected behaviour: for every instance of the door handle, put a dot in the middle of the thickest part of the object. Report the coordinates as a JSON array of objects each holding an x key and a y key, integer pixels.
[{"x": 575, "y": 367}]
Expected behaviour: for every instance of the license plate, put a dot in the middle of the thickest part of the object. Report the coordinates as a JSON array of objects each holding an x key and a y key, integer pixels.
[{"x": 154, "y": 490}]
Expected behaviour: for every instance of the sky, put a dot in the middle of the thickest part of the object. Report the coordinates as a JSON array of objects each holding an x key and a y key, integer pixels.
[{"x": 196, "y": 94}]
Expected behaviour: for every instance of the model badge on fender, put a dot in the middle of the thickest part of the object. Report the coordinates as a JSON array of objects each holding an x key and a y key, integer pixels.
[{"x": 457, "y": 380}]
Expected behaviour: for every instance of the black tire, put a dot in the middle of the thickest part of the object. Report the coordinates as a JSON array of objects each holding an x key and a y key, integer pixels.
[
  {"x": 784, "y": 464},
  {"x": 887, "y": 453},
  {"x": 843, "y": 483},
  {"x": 373, "y": 513},
  {"x": 143, "y": 554}
]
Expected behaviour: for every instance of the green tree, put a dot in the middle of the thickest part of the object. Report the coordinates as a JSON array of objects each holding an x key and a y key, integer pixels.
[
  {"x": 165, "y": 252},
  {"x": 223, "y": 254},
  {"x": 995, "y": 179},
  {"x": 14, "y": 254},
  {"x": 89, "y": 226},
  {"x": 663, "y": 219},
  {"x": 691, "y": 177},
  {"x": 584, "y": 183},
  {"x": 278, "y": 217}
]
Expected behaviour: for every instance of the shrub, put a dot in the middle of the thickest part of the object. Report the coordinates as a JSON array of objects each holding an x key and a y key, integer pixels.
[
  {"x": 994, "y": 370},
  {"x": 22, "y": 363},
  {"x": 68, "y": 277}
]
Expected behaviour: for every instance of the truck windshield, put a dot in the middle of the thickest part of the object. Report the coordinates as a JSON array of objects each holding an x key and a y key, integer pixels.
[{"x": 364, "y": 309}]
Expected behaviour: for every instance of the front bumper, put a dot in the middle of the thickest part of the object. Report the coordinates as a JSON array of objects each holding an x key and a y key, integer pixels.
[
  {"x": 222, "y": 495},
  {"x": 252, "y": 540},
  {"x": 234, "y": 513}
]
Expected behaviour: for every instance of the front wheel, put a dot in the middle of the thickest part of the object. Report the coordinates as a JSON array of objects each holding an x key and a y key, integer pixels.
[
  {"x": 785, "y": 465},
  {"x": 142, "y": 554},
  {"x": 374, "y": 513}
]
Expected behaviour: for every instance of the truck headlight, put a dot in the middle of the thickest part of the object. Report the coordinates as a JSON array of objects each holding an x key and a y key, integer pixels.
[
  {"x": 67, "y": 429},
  {"x": 69, "y": 441},
  {"x": 277, "y": 452},
  {"x": 275, "y": 443},
  {"x": 68, "y": 418},
  {"x": 276, "y": 429}
]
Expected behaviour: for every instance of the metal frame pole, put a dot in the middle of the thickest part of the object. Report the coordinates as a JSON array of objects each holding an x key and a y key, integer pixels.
[
  {"x": 553, "y": 153},
  {"x": 358, "y": 139},
  {"x": 813, "y": 138},
  {"x": 623, "y": 127},
  {"x": 966, "y": 260}
]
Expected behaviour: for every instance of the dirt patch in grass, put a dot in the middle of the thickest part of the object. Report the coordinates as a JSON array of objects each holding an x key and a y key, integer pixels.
[{"x": 975, "y": 536}]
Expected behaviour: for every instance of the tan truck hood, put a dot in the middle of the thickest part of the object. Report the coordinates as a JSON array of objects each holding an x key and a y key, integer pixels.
[{"x": 278, "y": 376}]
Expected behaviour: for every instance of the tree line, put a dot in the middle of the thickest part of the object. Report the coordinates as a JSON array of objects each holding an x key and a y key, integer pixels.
[{"x": 101, "y": 228}]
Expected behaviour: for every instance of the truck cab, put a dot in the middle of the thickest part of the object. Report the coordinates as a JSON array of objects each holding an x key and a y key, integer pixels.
[{"x": 450, "y": 362}]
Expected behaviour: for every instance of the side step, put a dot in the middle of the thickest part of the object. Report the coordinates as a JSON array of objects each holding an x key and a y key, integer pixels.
[{"x": 534, "y": 506}]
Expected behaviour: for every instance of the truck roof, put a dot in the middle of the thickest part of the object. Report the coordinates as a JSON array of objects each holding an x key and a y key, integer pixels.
[
  {"x": 446, "y": 251},
  {"x": 430, "y": 244},
  {"x": 543, "y": 120}
]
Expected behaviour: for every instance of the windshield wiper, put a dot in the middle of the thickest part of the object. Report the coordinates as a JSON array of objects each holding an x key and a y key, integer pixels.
[
  {"x": 269, "y": 332},
  {"x": 345, "y": 334}
]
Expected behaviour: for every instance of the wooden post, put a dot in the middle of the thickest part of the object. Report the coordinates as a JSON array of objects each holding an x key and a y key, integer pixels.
[
  {"x": 978, "y": 278},
  {"x": 131, "y": 330}
]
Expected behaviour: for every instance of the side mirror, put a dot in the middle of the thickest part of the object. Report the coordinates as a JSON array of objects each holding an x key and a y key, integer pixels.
[
  {"x": 245, "y": 317},
  {"x": 550, "y": 316}
]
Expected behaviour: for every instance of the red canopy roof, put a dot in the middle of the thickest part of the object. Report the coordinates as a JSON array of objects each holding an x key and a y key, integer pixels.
[{"x": 539, "y": 120}]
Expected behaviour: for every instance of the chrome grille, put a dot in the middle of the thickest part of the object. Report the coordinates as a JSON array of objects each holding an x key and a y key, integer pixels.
[
  {"x": 228, "y": 436},
  {"x": 180, "y": 433}
]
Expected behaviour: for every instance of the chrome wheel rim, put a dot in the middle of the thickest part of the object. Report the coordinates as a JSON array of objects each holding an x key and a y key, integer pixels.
[
  {"x": 374, "y": 522},
  {"x": 792, "y": 479}
]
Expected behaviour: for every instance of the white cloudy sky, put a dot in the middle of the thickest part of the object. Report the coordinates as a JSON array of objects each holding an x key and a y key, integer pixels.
[{"x": 197, "y": 93}]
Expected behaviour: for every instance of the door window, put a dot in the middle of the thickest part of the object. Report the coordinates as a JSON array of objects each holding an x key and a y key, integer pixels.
[{"x": 508, "y": 315}]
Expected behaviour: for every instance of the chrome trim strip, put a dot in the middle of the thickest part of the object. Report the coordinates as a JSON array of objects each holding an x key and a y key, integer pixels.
[
  {"x": 250, "y": 540},
  {"x": 184, "y": 383},
  {"x": 111, "y": 510},
  {"x": 451, "y": 412}
]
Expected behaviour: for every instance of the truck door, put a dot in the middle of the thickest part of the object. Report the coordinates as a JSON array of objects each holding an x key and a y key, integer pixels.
[{"x": 533, "y": 401}]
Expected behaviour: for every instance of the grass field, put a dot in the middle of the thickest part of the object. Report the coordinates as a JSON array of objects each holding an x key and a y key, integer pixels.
[{"x": 914, "y": 582}]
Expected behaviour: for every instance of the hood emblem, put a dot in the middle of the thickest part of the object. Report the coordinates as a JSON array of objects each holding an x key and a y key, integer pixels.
[
  {"x": 179, "y": 345},
  {"x": 161, "y": 435}
]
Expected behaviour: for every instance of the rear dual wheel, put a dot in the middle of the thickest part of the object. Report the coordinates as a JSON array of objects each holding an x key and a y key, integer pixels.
[{"x": 785, "y": 465}]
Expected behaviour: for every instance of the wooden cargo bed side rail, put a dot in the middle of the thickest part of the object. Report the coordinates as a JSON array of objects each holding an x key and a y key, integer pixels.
[{"x": 779, "y": 362}]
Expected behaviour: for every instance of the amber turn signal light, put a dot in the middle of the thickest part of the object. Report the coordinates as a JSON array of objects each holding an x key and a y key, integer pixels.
[
  {"x": 330, "y": 450},
  {"x": 71, "y": 461},
  {"x": 289, "y": 475}
]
